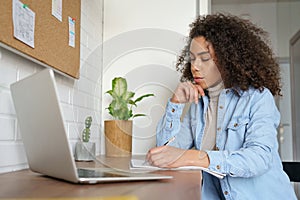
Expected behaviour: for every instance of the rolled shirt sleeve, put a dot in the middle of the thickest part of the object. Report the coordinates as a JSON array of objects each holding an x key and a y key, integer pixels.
[{"x": 170, "y": 125}]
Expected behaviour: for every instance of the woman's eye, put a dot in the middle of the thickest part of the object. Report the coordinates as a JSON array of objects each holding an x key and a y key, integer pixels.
[{"x": 205, "y": 57}]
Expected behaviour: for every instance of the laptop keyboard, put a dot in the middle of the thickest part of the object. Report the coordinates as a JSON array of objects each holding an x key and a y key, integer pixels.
[{"x": 88, "y": 173}]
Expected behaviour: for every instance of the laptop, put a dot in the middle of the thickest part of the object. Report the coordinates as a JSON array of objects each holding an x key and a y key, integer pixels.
[{"x": 45, "y": 139}]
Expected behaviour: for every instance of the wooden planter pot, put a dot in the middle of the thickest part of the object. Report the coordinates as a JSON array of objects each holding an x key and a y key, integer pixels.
[{"x": 118, "y": 138}]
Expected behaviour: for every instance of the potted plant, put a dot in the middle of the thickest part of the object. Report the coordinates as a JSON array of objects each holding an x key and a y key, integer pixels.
[
  {"x": 118, "y": 132},
  {"x": 84, "y": 149}
]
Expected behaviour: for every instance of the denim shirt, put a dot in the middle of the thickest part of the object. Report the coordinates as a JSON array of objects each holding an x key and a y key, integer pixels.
[{"x": 246, "y": 144}]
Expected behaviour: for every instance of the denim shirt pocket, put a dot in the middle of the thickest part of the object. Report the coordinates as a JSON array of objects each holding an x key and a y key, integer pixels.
[{"x": 236, "y": 132}]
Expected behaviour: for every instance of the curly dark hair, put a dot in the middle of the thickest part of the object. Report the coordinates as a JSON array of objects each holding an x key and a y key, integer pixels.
[{"x": 243, "y": 55}]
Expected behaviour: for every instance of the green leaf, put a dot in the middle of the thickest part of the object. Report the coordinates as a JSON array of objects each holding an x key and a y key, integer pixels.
[
  {"x": 138, "y": 115},
  {"x": 131, "y": 102},
  {"x": 128, "y": 95},
  {"x": 119, "y": 86},
  {"x": 143, "y": 96}
]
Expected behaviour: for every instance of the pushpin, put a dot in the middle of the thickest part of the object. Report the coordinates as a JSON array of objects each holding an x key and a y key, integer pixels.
[{"x": 25, "y": 5}]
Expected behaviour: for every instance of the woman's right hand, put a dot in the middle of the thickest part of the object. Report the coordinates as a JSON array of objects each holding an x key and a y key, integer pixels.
[
  {"x": 187, "y": 92},
  {"x": 172, "y": 157}
]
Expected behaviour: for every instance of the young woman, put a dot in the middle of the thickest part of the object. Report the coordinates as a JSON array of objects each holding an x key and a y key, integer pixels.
[{"x": 230, "y": 75}]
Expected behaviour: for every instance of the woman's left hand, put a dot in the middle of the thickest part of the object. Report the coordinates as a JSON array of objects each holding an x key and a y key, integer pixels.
[{"x": 172, "y": 157}]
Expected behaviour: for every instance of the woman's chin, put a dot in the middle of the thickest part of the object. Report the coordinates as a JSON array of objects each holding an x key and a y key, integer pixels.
[{"x": 201, "y": 83}]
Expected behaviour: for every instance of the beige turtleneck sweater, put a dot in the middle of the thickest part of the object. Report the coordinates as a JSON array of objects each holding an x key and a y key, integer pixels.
[{"x": 209, "y": 137}]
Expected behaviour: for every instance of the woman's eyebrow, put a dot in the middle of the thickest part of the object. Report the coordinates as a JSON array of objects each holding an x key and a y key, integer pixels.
[{"x": 200, "y": 53}]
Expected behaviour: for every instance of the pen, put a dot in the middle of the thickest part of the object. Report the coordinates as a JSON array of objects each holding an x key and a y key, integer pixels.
[{"x": 169, "y": 141}]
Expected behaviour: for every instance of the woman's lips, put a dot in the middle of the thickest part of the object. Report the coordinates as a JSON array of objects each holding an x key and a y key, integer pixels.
[{"x": 198, "y": 79}]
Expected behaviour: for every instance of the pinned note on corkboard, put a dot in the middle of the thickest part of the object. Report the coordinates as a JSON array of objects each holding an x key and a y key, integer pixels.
[{"x": 56, "y": 41}]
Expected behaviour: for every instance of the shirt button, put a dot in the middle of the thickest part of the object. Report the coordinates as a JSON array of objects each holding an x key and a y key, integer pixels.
[
  {"x": 235, "y": 124},
  {"x": 218, "y": 167},
  {"x": 221, "y": 107},
  {"x": 225, "y": 192},
  {"x": 173, "y": 110},
  {"x": 219, "y": 129}
]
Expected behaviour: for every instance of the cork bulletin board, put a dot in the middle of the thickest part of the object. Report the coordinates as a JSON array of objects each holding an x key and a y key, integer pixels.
[{"x": 51, "y": 36}]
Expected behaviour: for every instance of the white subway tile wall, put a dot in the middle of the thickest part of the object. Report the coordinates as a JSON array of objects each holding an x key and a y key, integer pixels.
[{"x": 78, "y": 98}]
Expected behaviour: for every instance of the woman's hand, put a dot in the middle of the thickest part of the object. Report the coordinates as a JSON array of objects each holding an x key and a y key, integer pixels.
[
  {"x": 187, "y": 92},
  {"x": 172, "y": 157}
]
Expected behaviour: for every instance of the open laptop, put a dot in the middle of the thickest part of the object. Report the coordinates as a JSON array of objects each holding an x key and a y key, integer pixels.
[{"x": 45, "y": 139}]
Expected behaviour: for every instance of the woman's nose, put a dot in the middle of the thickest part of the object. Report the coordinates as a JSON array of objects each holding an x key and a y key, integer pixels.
[{"x": 196, "y": 65}]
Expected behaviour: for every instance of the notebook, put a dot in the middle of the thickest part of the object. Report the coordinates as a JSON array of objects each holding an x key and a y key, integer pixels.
[
  {"x": 140, "y": 164},
  {"x": 45, "y": 139}
]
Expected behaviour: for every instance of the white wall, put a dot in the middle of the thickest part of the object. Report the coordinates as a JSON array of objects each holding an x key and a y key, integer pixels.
[
  {"x": 79, "y": 98},
  {"x": 141, "y": 42},
  {"x": 279, "y": 18},
  {"x": 263, "y": 14},
  {"x": 288, "y": 15}
]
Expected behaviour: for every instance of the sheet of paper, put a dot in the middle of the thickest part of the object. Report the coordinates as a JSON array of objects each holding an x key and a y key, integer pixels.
[
  {"x": 129, "y": 197},
  {"x": 138, "y": 164},
  {"x": 23, "y": 22},
  {"x": 71, "y": 32},
  {"x": 57, "y": 9}
]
